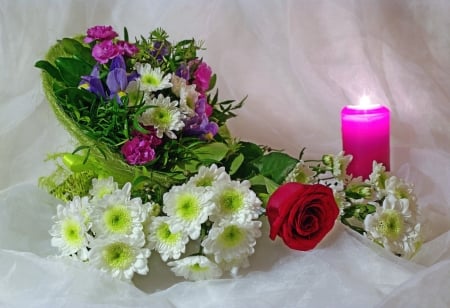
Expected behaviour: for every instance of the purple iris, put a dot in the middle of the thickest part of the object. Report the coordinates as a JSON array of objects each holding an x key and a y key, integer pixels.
[
  {"x": 117, "y": 79},
  {"x": 183, "y": 71},
  {"x": 199, "y": 125},
  {"x": 92, "y": 83}
]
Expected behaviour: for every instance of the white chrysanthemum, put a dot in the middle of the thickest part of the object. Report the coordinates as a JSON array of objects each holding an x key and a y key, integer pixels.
[
  {"x": 195, "y": 268},
  {"x": 120, "y": 256},
  {"x": 102, "y": 187},
  {"x": 170, "y": 245},
  {"x": 189, "y": 207},
  {"x": 209, "y": 176},
  {"x": 301, "y": 173},
  {"x": 340, "y": 164},
  {"x": 164, "y": 115},
  {"x": 186, "y": 93},
  {"x": 393, "y": 226},
  {"x": 118, "y": 214},
  {"x": 235, "y": 200},
  {"x": 402, "y": 190},
  {"x": 378, "y": 179},
  {"x": 231, "y": 240},
  {"x": 152, "y": 79},
  {"x": 70, "y": 231}
]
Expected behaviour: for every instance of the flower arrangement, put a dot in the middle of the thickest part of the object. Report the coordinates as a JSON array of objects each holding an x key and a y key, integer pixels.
[{"x": 155, "y": 169}]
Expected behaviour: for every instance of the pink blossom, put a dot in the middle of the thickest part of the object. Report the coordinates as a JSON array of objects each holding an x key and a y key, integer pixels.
[
  {"x": 140, "y": 149},
  {"x": 202, "y": 76},
  {"x": 104, "y": 51},
  {"x": 127, "y": 48},
  {"x": 100, "y": 33}
]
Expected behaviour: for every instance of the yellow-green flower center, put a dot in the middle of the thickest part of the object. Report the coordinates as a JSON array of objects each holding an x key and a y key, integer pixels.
[
  {"x": 161, "y": 116},
  {"x": 231, "y": 201},
  {"x": 231, "y": 236},
  {"x": 118, "y": 219},
  {"x": 391, "y": 224},
  {"x": 198, "y": 268},
  {"x": 163, "y": 233},
  {"x": 187, "y": 207},
  {"x": 71, "y": 233},
  {"x": 150, "y": 79},
  {"x": 118, "y": 256}
]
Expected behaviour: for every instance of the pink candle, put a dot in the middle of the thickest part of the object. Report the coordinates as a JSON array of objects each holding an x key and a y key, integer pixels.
[{"x": 365, "y": 135}]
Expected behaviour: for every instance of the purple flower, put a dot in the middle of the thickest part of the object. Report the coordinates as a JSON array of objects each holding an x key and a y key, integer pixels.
[
  {"x": 140, "y": 149},
  {"x": 127, "y": 49},
  {"x": 202, "y": 77},
  {"x": 160, "y": 50},
  {"x": 92, "y": 83},
  {"x": 100, "y": 33},
  {"x": 104, "y": 51},
  {"x": 117, "y": 80},
  {"x": 183, "y": 71},
  {"x": 199, "y": 125}
]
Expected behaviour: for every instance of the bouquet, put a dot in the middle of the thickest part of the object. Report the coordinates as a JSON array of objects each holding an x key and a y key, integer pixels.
[{"x": 155, "y": 170}]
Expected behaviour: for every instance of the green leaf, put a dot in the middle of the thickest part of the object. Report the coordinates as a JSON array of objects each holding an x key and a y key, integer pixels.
[
  {"x": 49, "y": 68},
  {"x": 212, "y": 82},
  {"x": 215, "y": 151},
  {"x": 276, "y": 166},
  {"x": 236, "y": 163},
  {"x": 75, "y": 48},
  {"x": 260, "y": 180},
  {"x": 72, "y": 69}
]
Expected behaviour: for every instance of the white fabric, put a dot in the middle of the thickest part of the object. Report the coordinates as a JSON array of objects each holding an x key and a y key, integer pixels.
[{"x": 299, "y": 62}]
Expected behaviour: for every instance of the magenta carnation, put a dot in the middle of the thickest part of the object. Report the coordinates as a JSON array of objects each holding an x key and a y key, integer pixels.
[
  {"x": 202, "y": 77},
  {"x": 127, "y": 48},
  {"x": 140, "y": 149},
  {"x": 100, "y": 33},
  {"x": 104, "y": 51}
]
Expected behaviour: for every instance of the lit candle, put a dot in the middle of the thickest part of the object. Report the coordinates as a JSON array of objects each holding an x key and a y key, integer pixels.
[{"x": 365, "y": 135}]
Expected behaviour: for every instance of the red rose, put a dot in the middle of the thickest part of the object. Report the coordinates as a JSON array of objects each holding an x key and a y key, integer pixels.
[{"x": 301, "y": 214}]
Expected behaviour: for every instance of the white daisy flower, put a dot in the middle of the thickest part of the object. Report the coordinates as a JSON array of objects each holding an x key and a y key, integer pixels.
[
  {"x": 231, "y": 240},
  {"x": 209, "y": 176},
  {"x": 164, "y": 115},
  {"x": 393, "y": 226},
  {"x": 70, "y": 231},
  {"x": 195, "y": 268},
  {"x": 402, "y": 190},
  {"x": 102, "y": 187},
  {"x": 235, "y": 200},
  {"x": 378, "y": 178},
  {"x": 301, "y": 173},
  {"x": 189, "y": 207},
  {"x": 152, "y": 79},
  {"x": 339, "y": 164},
  {"x": 170, "y": 245},
  {"x": 118, "y": 214},
  {"x": 119, "y": 256}
]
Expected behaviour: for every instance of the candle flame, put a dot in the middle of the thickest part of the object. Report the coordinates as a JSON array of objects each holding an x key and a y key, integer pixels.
[{"x": 364, "y": 101}]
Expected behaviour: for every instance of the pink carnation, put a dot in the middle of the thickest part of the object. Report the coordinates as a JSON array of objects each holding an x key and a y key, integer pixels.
[
  {"x": 104, "y": 51},
  {"x": 202, "y": 76},
  {"x": 100, "y": 33},
  {"x": 127, "y": 48},
  {"x": 140, "y": 149}
]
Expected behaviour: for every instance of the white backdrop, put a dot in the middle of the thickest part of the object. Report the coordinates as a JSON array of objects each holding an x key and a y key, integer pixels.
[{"x": 299, "y": 62}]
